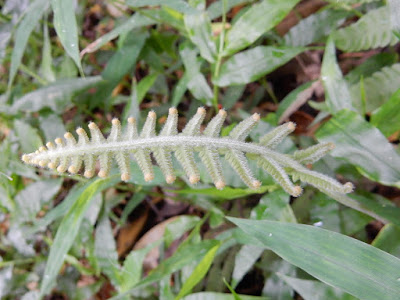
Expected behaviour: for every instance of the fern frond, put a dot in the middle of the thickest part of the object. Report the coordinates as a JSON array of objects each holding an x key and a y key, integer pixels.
[
  {"x": 72, "y": 155},
  {"x": 378, "y": 87},
  {"x": 372, "y": 30}
]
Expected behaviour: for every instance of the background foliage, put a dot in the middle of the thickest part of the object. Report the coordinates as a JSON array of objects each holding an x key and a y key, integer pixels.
[{"x": 330, "y": 66}]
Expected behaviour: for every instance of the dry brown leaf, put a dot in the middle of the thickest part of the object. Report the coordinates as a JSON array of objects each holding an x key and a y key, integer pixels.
[{"x": 129, "y": 233}]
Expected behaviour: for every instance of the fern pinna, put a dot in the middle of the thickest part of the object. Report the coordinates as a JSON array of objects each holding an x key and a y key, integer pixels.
[{"x": 71, "y": 154}]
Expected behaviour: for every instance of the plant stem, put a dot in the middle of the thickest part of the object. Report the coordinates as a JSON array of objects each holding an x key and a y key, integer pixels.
[{"x": 220, "y": 55}]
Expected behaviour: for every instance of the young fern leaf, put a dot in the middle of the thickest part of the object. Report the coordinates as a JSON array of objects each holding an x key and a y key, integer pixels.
[{"x": 71, "y": 155}]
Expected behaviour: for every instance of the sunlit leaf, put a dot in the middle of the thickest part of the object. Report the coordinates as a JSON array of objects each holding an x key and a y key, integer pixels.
[
  {"x": 67, "y": 30},
  {"x": 257, "y": 20},
  {"x": 316, "y": 251},
  {"x": 250, "y": 65}
]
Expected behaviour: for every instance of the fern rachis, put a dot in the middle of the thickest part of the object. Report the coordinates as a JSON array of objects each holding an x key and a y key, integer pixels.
[{"x": 71, "y": 155}]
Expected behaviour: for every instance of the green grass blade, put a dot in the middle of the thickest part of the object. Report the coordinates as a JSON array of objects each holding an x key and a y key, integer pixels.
[
  {"x": 353, "y": 266},
  {"x": 68, "y": 231},
  {"x": 66, "y": 28},
  {"x": 31, "y": 18},
  {"x": 199, "y": 272},
  {"x": 363, "y": 145}
]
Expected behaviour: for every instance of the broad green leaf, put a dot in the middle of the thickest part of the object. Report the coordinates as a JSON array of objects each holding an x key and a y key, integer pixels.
[
  {"x": 198, "y": 273},
  {"x": 378, "y": 87},
  {"x": 227, "y": 193},
  {"x": 67, "y": 30},
  {"x": 315, "y": 290},
  {"x": 31, "y": 199},
  {"x": 136, "y": 21},
  {"x": 372, "y": 30},
  {"x": 257, "y": 20},
  {"x": 388, "y": 239},
  {"x": 314, "y": 27},
  {"x": 197, "y": 83},
  {"x": 386, "y": 118},
  {"x": 28, "y": 136},
  {"x": 124, "y": 59},
  {"x": 57, "y": 95},
  {"x": 183, "y": 256},
  {"x": 316, "y": 251},
  {"x": 220, "y": 296},
  {"x": 252, "y": 64},
  {"x": 67, "y": 232},
  {"x": 373, "y": 64},
  {"x": 28, "y": 23},
  {"x": 199, "y": 30},
  {"x": 363, "y": 145},
  {"x": 336, "y": 90}
]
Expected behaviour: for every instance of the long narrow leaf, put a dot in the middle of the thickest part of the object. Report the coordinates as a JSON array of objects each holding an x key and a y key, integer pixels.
[
  {"x": 353, "y": 266},
  {"x": 66, "y": 28},
  {"x": 68, "y": 231},
  {"x": 32, "y": 16}
]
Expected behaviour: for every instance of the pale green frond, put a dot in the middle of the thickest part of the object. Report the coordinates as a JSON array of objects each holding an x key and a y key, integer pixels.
[
  {"x": 313, "y": 153},
  {"x": 186, "y": 158},
  {"x": 277, "y": 172},
  {"x": 210, "y": 158},
  {"x": 71, "y": 155},
  {"x": 193, "y": 126},
  {"x": 213, "y": 128},
  {"x": 238, "y": 161},
  {"x": 242, "y": 130},
  {"x": 149, "y": 127},
  {"x": 276, "y": 136},
  {"x": 371, "y": 31}
]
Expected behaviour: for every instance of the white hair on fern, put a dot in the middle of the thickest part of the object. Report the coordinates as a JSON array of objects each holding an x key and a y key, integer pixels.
[{"x": 71, "y": 155}]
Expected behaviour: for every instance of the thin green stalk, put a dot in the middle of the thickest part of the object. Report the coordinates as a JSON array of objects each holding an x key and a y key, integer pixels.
[
  {"x": 26, "y": 70},
  {"x": 220, "y": 55}
]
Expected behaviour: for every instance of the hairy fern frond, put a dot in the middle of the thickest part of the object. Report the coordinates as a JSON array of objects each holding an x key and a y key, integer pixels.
[
  {"x": 372, "y": 30},
  {"x": 71, "y": 155}
]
